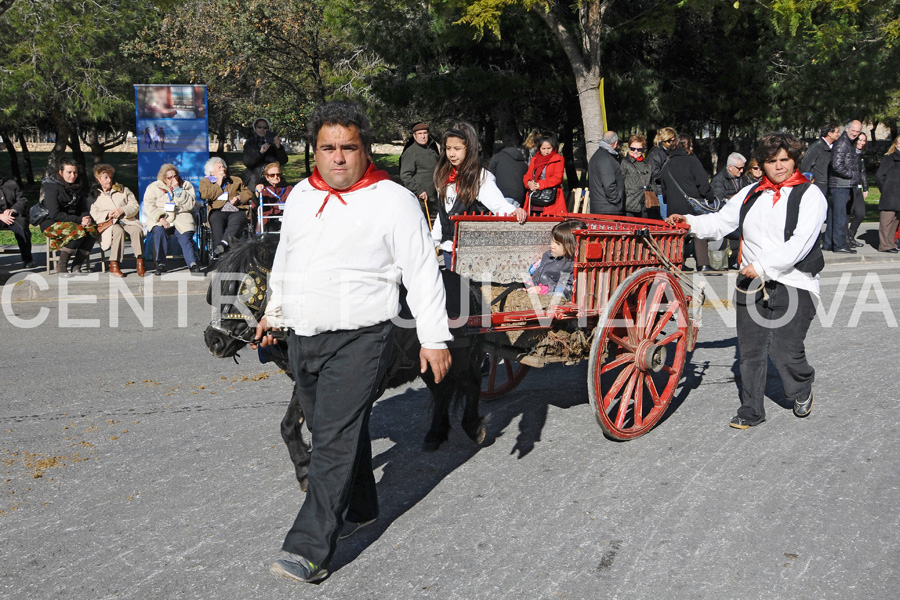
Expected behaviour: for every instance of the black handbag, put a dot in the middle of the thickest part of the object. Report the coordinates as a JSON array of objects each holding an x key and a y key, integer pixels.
[
  {"x": 37, "y": 214},
  {"x": 700, "y": 206},
  {"x": 545, "y": 197}
]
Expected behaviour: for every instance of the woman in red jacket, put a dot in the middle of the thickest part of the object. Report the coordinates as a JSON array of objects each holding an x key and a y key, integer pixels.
[{"x": 545, "y": 172}]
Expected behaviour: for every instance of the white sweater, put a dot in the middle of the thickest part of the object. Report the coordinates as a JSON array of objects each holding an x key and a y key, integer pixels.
[
  {"x": 342, "y": 269},
  {"x": 489, "y": 195}
]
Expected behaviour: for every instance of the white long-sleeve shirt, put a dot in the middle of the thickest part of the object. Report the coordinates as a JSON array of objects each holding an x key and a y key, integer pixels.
[
  {"x": 764, "y": 246},
  {"x": 489, "y": 195},
  {"x": 342, "y": 269}
]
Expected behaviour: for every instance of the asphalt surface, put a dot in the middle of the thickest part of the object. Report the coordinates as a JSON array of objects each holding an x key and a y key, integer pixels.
[{"x": 136, "y": 465}]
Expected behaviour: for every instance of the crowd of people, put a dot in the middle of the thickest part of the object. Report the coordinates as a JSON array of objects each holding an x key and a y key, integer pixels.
[{"x": 445, "y": 173}]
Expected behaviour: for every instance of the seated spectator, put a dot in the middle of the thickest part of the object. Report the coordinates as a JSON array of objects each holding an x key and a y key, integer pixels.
[
  {"x": 261, "y": 148},
  {"x": 168, "y": 207},
  {"x": 68, "y": 227},
  {"x": 14, "y": 216},
  {"x": 274, "y": 191},
  {"x": 545, "y": 172},
  {"x": 113, "y": 203},
  {"x": 228, "y": 203},
  {"x": 509, "y": 167},
  {"x": 554, "y": 272}
]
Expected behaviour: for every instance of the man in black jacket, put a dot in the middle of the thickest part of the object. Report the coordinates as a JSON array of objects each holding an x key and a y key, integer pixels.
[
  {"x": 509, "y": 167},
  {"x": 817, "y": 159},
  {"x": 842, "y": 178},
  {"x": 605, "y": 180},
  {"x": 14, "y": 216}
]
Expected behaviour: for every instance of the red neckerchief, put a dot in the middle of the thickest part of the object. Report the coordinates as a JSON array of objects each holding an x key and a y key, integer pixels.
[
  {"x": 541, "y": 161},
  {"x": 372, "y": 175},
  {"x": 451, "y": 178},
  {"x": 793, "y": 180}
]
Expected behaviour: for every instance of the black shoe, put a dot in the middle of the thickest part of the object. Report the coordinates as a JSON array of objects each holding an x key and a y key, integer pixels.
[
  {"x": 705, "y": 269},
  {"x": 891, "y": 251},
  {"x": 194, "y": 268},
  {"x": 742, "y": 423},
  {"x": 28, "y": 264},
  {"x": 160, "y": 269},
  {"x": 298, "y": 568},
  {"x": 844, "y": 250},
  {"x": 854, "y": 243},
  {"x": 804, "y": 407}
]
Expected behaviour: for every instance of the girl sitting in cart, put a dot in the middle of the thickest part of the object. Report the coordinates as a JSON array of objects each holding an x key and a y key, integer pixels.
[{"x": 553, "y": 272}]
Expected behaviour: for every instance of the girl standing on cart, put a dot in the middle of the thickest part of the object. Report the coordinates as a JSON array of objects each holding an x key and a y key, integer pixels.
[{"x": 464, "y": 187}]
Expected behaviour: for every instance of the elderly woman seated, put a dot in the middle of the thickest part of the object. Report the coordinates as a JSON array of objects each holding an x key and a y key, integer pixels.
[
  {"x": 228, "y": 201},
  {"x": 114, "y": 208},
  {"x": 168, "y": 206}
]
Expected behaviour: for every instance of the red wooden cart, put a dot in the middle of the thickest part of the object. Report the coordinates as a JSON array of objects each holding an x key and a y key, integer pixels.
[{"x": 629, "y": 315}]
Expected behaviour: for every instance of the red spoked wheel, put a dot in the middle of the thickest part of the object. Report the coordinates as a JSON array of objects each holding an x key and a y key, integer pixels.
[
  {"x": 638, "y": 354},
  {"x": 502, "y": 377}
]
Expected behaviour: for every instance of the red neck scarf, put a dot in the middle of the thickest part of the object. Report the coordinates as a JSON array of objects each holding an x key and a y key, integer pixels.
[
  {"x": 541, "y": 161},
  {"x": 372, "y": 175},
  {"x": 451, "y": 178},
  {"x": 793, "y": 180}
]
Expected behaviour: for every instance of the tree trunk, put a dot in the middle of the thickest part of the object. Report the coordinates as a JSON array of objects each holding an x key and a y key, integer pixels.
[
  {"x": 585, "y": 63},
  {"x": 566, "y": 139},
  {"x": 59, "y": 146},
  {"x": 306, "y": 159},
  {"x": 13, "y": 157},
  {"x": 220, "y": 138},
  {"x": 26, "y": 155},
  {"x": 77, "y": 152},
  {"x": 97, "y": 148}
]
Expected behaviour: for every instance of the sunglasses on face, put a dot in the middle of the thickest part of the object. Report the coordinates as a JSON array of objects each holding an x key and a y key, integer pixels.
[
  {"x": 635, "y": 149},
  {"x": 273, "y": 174}
]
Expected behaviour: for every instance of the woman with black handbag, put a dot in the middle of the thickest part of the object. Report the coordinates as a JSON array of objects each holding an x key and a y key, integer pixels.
[
  {"x": 684, "y": 179},
  {"x": 543, "y": 180}
]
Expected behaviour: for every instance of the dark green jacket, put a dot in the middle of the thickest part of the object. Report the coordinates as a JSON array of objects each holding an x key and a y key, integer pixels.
[{"x": 417, "y": 165}]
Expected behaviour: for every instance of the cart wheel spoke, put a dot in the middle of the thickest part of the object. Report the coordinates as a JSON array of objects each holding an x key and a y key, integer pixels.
[
  {"x": 658, "y": 293},
  {"x": 618, "y": 362},
  {"x": 621, "y": 343},
  {"x": 501, "y": 380},
  {"x": 670, "y": 338},
  {"x": 664, "y": 320},
  {"x": 639, "y": 399}
]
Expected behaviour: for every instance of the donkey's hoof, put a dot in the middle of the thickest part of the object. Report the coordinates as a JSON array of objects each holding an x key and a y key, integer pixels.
[{"x": 304, "y": 483}]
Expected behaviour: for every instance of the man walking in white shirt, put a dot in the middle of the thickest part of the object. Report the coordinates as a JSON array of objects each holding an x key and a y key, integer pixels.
[{"x": 349, "y": 237}]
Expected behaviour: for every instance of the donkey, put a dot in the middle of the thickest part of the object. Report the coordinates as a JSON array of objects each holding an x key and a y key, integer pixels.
[{"x": 238, "y": 286}]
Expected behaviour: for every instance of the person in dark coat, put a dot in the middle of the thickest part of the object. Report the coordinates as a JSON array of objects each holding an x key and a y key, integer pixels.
[
  {"x": 684, "y": 176},
  {"x": 260, "y": 149},
  {"x": 888, "y": 179},
  {"x": 842, "y": 178},
  {"x": 605, "y": 181},
  {"x": 509, "y": 167},
  {"x": 417, "y": 163},
  {"x": 14, "y": 216},
  {"x": 860, "y": 192},
  {"x": 817, "y": 159},
  {"x": 68, "y": 227},
  {"x": 636, "y": 175}
]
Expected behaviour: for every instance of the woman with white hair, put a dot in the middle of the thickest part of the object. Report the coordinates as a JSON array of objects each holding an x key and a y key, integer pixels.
[{"x": 228, "y": 204}]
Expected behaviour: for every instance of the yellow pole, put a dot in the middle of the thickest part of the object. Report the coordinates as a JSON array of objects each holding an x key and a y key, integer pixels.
[{"x": 603, "y": 107}]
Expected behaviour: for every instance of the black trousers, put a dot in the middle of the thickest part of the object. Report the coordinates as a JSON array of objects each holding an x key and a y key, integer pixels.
[
  {"x": 22, "y": 234},
  {"x": 775, "y": 329},
  {"x": 226, "y": 226},
  {"x": 338, "y": 375}
]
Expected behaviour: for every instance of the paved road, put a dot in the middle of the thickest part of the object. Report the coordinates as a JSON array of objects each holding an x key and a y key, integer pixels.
[{"x": 138, "y": 466}]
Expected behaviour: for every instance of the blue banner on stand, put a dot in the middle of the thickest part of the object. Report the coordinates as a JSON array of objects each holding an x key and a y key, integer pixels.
[{"x": 172, "y": 127}]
